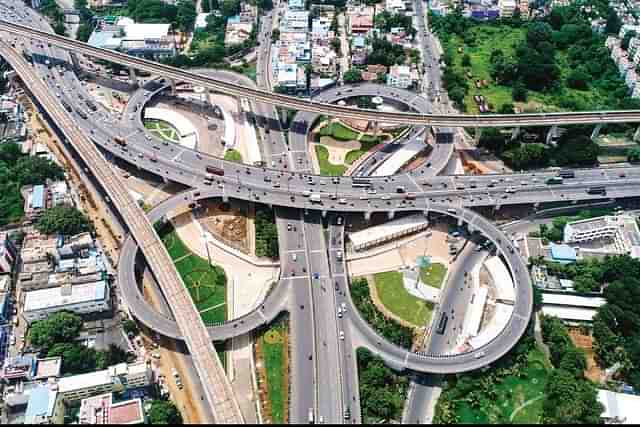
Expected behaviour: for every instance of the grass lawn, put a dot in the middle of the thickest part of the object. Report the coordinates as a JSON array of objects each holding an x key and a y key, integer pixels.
[
  {"x": 206, "y": 284},
  {"x": 233, "y": 155},
  {"x": 338, "y": 131},
  {"x": 396, "y": 299},
  {"x": 326, "y": 168},
  {"x": 273, "y": 350},
  {"x": 162, "y": 130},
  {"x": 365, "y": 146},
  {"x": 512, "y": 393},
  {"x": 250, "y": 71},
  {"x": 433, "y": 274},
  {"x": 505, "y": 38}
]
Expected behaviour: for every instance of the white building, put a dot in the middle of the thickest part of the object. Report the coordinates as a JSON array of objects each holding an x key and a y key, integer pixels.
[
  {"x": 395, "y": 6},
  {"x": 619, "y": 408},
  {"x": 571, "y": 308},
  {"x": 115, "y": 378},
  {"x": 201, "y": 20},
  {"x": 621, "y": 230},
  {"x": 126, "y": 35},
  {"x": 82, "y": 298},
  {"x": 507, "y": 7},
  {"x": 400, "y": 76}
]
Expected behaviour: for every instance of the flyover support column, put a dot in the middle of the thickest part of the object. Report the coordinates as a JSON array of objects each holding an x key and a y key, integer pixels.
[
  {"x": 376, "y": 127},
  {"x": 75, "y": 62},
  {"x": 477, "y": 135},
  {"x": 173, "y": 87},
  {"x": 133, "y": 77},
  {"x": 391, "y": 214},
  {"x": 552, "y": 133},
  {"x": 596, "y": 131},
  {"x": 515, "y": 132},
  {"x": 460, "y": 221},
  {"x": 636, "y": 135},
  {"x": 367, "y": 216}
]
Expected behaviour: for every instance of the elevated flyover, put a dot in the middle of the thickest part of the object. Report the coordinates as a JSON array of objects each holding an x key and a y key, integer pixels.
[{"x": 447, "y": 120}]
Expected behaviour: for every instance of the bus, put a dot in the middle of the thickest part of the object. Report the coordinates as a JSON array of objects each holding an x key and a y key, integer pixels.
[
  {"x": 214, "y": 170},
  {"x": 554, "y": 180},
  {"x": 567, "y": 173},
  {"x": 360, "y": 182},
  {"x": 442, "y": 323},
  {"x": 597, "y": 189}
]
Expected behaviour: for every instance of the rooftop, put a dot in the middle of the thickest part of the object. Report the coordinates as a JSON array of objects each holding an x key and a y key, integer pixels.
[
  {"x": 387, "y": 229},
  {"x": 61, "y": 296},
  {"x": 563, "y": 252},
  {"x": 572, "y": 300},
  {"x": 622, "y": 406}
]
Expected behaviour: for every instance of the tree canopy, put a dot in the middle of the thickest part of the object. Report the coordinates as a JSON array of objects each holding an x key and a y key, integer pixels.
[
  {"x": 63, "y": 219},
  {"x": 353, "y": 75},
  {"x": 164, "y": 412},
  {"x": 59, "y": 327}
]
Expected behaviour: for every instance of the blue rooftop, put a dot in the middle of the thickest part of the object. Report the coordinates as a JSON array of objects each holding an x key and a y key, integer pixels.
[
  {"x": 37, "y": 200},
  {"x": 358, "y": 41},
  {"x": 296, "y": 4},
  {"x": 563, "y": 253},
  {"x": 233, "y": 19},
  {"x": 38, "y": 404}
]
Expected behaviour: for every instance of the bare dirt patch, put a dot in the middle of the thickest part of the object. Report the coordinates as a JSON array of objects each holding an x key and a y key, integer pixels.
[
  {"x": 585, "y": 342},
  {"x": 226, "y": 222},
  {"x": 338, "y": 149}
]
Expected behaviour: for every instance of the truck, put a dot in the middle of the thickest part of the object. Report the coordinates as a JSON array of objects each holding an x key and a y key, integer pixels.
[
  {"x": 400, "y": 189},
  {"x": 315, "y": 198},
  {"x": 120, "y": 141},
  {"x": 360, "y": 182},
  {"x": 214, "y": 170},
  {"x": 410, "y": 196},
  {"x": 554, "y": 180},
  {"x": 442, "y": 324}
]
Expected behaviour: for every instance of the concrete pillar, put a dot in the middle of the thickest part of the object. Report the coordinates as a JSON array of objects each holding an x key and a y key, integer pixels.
[
  {"x": 536, "y": 205},
  {"x": 165, "y": 179},
  {"x": 376, "y": 128},
  {"x": 132, "y": 76},
  {"x": 552, "y": 132},
  {"x": 460, "y": 221},
  {"x": 476, "y": 137},
  {"x": 636, "y": 135},
  {"x": 324, "y": 213},
  {"x": 367, "y": 216},
  {"x": 471, "y": 228},
  {"x": 596, "y": 131},
  {"x": 497, "y": 207},
  {"x": 225, "y": 198},
  {"x": 75, "y": 62},
  {"x": 515, "y": 132},
  {"x": 391, "y": 214},
  {"x": 173, "y": 87}
]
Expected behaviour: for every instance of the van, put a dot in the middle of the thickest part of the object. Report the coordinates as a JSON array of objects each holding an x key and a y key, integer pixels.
[
  {"x": 306, "y": 193},
  {"x": 294, "y": 257},
  {"x": 339, "y": 255}
]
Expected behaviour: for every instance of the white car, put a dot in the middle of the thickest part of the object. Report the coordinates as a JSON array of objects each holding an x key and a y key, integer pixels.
[{"x": 342, "y": 335}]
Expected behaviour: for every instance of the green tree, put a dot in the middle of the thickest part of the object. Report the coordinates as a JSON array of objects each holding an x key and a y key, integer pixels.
[
  {"x": 574, "y": 361},
  {"x": 466, "y": 60},
  {"x": 229, "y": 8},
  {"x": 130, "y": 327},
  {"x": 570, "y": 400},
  {"x": 613, "y": 22},
  {"x": 576, "y": 150},
  {"x": 578, "y": 79},
  {"x": 76, "y": 358},
  {"x": 60, "y": 327},
  {"x": 519, "y": 91},
  {"x": 275, "y": 35},
  {"x": 65, "y": 220},
  {"x": 185, "y": 14},
  {"x": 624, "y": 44},
  {"x": 353, "y": 75},
  {"x": 266, "y": 234},
  {"x": 164, "y": 412},
  {"x": 36, "y": 170},
  {"x": 633, "y": 155}
]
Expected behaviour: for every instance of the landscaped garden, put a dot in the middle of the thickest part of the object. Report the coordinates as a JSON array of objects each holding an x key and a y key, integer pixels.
[
  {"x": 162, "y": 130},
  {"x": 433, "y": 274},
  {"x": 393, "y": 295},
  {"x": 206, "y": 283},
  {"x": 272, "y": 351},
  {"x": 233, "y": 155}
]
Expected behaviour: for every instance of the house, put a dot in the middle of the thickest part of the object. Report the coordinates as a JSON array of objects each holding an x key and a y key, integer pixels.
[
  {"x": 507, "y": 7},
  {"x": 401, "y": 76},
  {"x": 360, "y": 20},
  {"x": 102, "y": 409},
  {"x": 8, "y": 254},
  {"x": 395, "y": 6}
]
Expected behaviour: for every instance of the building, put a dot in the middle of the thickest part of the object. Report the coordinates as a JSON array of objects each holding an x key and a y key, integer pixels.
[
  {"x": 5, "y": 289},
  {"x": 507, "y": 7},
  {"x": 116, "y": 378},
  {"x": 571, "y": 308},
  {"x": 292, "y": 77},
  {"x": 360, "y": 20},
  {"x": 8, "y": 254},
  {"x": 401, "y": 76},
  {"x": 324, "y": 60},
  {"x": 295, "y": 4},
  {"x": 12, "y": 120},
  {"x": 388, "y": 231},
  {"x": 82, "y": 298},
  {"x": 616, "y": 234},
  {"x": 143, "y": 40},
  {"x": 395, "y": 6},
  {"x": 43, "y": 406},
  {"x": 619, "y": 408},
  {"x": 35, "y": 200},
  {"x": 19, "y": 367},
  {"x": 201, "y": 21},
  {"x": 102, "y": 410}
]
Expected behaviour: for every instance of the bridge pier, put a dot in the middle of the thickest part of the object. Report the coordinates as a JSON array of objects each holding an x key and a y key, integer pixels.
[
  {"x": 460, "y": 221},
  {"x": 596, "y": 131},
  {"x": 551, "y": 134},
  {"x": 75, "y": 62},
  {"x": 323, "y": 213},
  {"x": 391, "y": 214},
  {"x": 173, "y": 87},
  {"x": 477, "y": 135},
  {"x": 515, "y": 132},
  {"x": 376, "y": 128},
  {"x": 497, "y": 207},
  {"x": 367, "y": 216},
  {"x": 636, "y": 135},
  {"x": 225, "y": 198},
  {"x": 133, "y": 77}
]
